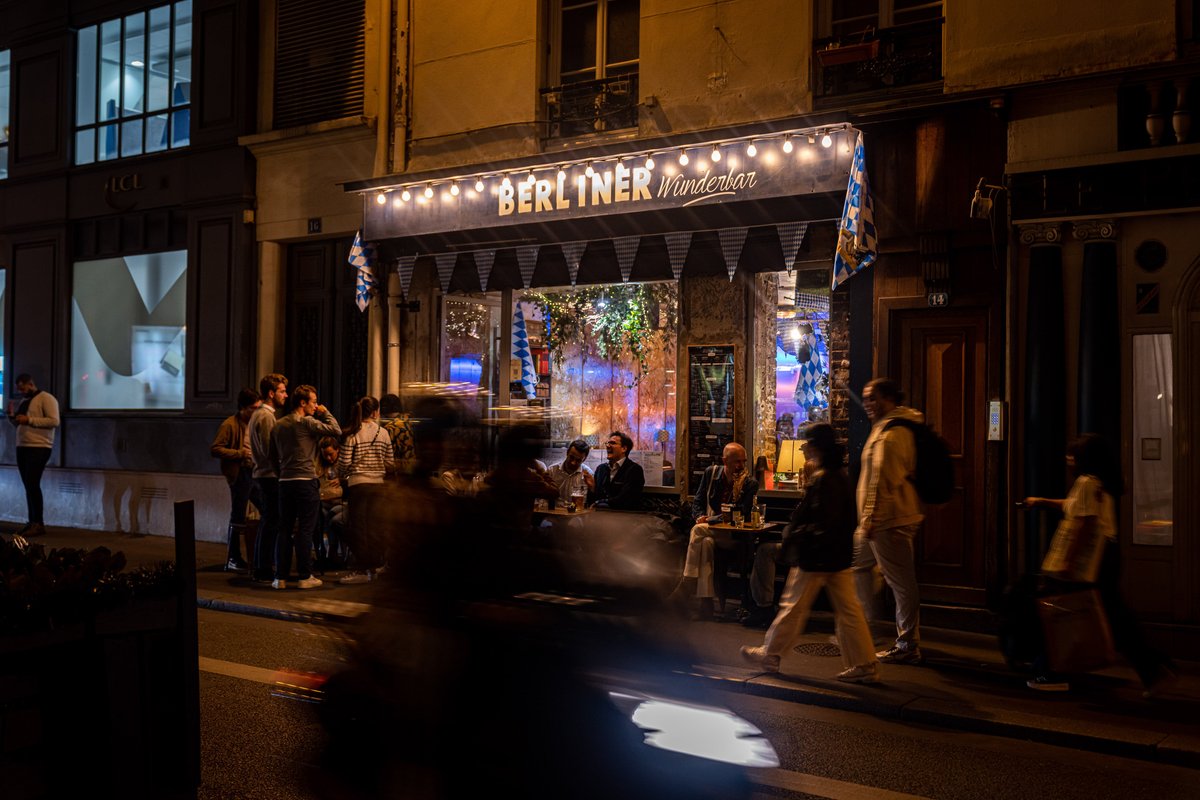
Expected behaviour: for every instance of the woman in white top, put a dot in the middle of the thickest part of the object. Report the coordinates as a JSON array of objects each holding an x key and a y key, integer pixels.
[
  {"x": 1091, "y": 502},
  {"x": 365, "y": 459}
]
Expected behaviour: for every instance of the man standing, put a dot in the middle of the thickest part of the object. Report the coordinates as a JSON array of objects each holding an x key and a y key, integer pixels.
[
  {"x": 36, "y": 418},
  {"x": 294, "y": 451},
  {"x": 619, "y": 483},
  {"x": 232, "y": 446},
  {"x": 273, "y": 389},
  {"x": 727, "y": 483},
  {"x": 889, "y": 516},
  {"x": 573, "y": 476}
]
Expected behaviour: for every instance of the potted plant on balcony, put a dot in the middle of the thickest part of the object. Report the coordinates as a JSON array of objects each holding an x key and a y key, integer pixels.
[{"x": 837, "y": 53}]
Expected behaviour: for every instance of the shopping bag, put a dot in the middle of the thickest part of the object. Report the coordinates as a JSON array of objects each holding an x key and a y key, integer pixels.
[
  {"x": 1075, "y": 553},
  {"x": 1077, "y": 635}
]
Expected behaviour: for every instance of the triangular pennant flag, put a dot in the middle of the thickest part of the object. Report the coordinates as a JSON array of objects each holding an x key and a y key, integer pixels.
[
  {"x": 527, "y": 262},
  {"x": 573, "y": 255},
  {"x": 732, "y": 240},
  {"x": 484, "y": 261},
  {"x": 677, "y": 249},
  {"x": 791, "y": 235},
  {"x": 627, "y": 248},
  {"x": 445, "y": 268},
  {"x": 405, "y": 268}
]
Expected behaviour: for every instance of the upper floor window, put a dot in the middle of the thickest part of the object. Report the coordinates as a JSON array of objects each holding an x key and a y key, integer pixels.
[
  {"x": 134, "y": 84},
  {"x": 5, "y": 82},
  {"x": 596, "y": 45},
  {"x": 319, "y": 61},
  {"x": 876, "y": 45}
]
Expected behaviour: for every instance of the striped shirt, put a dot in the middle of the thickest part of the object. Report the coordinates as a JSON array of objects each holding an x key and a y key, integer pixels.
[{"x": 366, "y": 456}]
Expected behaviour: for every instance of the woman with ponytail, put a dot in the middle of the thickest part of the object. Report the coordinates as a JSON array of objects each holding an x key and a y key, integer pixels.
[{"x": 364, "y": 460}]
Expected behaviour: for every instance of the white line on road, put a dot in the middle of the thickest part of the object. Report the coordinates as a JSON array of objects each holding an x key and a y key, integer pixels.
[
  {"x": 234, "y": 670},
  {"x": 823, "y": 787}
]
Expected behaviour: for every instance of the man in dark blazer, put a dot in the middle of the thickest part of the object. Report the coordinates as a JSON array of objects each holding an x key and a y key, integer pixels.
[{"x": 619, "y": 482}]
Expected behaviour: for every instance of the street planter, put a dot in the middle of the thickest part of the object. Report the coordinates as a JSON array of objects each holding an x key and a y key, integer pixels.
[{"x": 836, "y": 55}]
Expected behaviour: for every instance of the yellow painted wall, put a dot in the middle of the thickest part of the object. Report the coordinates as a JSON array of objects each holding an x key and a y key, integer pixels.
[
  {"x": 1062, "y": 122},
  {"x": 995, "y": 44}
]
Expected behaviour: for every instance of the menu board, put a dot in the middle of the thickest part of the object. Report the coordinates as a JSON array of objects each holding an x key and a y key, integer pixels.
[{"x": 710, "y": 407}]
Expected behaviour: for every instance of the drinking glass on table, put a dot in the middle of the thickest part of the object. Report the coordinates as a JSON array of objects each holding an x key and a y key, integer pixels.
[
  {"x": 727, "y": 513},
  {"x": 737, "y": 518}
]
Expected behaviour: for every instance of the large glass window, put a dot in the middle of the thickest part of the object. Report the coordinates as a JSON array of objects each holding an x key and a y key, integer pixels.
[
  {"x": 601, "y": 359},
  {"x": 133, "y": 84},
  {"x": 5, "y": 94},
  {"x": 791, "y": 363},
  {"x": 1153, "y": 431},
  {"x": 128, "y": 320},
  {"x": 470, "y": 334}
]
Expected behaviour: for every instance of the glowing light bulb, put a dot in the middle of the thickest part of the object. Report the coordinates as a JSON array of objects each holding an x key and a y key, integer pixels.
[
  {"x": 506, "y": 182},
  {"x": 562, "y": 174},
  {"x": 683, "y": 159},
  {"x": 590, "y": 171},
  {"x": 381, "y": 198},
  {"x": 479, "y": 185},
  {"x": 826, "y": 140},
  {"x": 532, "y": 177},
  {"x": 649, "y": 162},
  {"x": 787, "y": 144},
  {"x": 428, "y": 190},
  {"x": 406, "y": 195},
  {"x": 454, "y": 188},
  {"x": 752, "y": 149},
  {"x": 716, "y": 153}
]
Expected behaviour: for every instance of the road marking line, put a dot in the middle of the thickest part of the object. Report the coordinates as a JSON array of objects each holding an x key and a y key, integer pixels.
[
  {"x": 824, "y": 787},
  {"x": 232, "y": 669}
]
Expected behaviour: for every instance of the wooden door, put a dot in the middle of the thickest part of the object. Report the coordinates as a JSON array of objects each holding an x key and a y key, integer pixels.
[{"x": 940, "y": 358}]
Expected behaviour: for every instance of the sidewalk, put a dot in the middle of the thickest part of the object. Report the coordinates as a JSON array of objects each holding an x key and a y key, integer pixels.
[{"x": 964, "y": 683}]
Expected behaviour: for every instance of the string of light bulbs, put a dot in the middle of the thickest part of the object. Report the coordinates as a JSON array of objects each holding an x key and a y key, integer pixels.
[{"x": 752, "y": 146}]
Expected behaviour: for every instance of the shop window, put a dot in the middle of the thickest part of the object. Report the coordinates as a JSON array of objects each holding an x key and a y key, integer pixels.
[
  {"x": 1153, "y": 432},
  {"x": 133, "y": 84},
  {"x": 600, "y": 359},
  {"x": 470, "y": 335},
  {"x": 597, "y": 49},
  {"x": 791, "y": 364},
  {"x": 5, "y": 94},
  {"x": 319, "y": 61},
  {"x": 128, "y": 321}
]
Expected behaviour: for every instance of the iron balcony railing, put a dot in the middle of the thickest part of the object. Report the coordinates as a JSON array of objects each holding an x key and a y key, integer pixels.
[
  {"x": 882, "y": 60},
  {"x": 587, "y": 107}
]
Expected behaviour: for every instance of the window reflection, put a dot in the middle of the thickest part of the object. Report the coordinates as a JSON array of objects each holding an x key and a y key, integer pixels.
[{"x": 1153, "y": 433}]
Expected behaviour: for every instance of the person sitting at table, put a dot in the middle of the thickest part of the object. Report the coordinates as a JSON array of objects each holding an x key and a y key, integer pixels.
[
  {"x": 619, "y": 483},
  {"x": 572, "y": 475},
  {"x": 727, "y": 483}
]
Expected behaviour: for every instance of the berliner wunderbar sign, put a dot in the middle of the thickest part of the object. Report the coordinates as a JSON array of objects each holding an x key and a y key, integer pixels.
[{"x": 697, "y": 175}]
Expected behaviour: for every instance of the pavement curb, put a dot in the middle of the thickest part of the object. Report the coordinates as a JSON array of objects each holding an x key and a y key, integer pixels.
[{"x": 284, "y": 614}]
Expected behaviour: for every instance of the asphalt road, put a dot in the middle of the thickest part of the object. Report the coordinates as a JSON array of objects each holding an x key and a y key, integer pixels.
[{"x": 261, "y": 739}]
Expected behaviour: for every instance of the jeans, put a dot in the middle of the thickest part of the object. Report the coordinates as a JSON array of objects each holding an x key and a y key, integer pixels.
[
  {"x": 268, "y": 527},
  {"x": 363, "y": 502},
  {"x": 892, "y": 550},
  {"x": 31, "y": 463},
  {"x": 299, "y": 506},
  {"x": 243, "y": 490}
]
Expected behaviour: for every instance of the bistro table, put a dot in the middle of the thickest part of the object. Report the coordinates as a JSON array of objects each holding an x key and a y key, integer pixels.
[
  {"x": 562, "y": 512},
  {"x": 747, "y": 535}
]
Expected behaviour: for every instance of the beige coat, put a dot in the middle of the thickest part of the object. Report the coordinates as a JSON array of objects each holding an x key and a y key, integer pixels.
[{"x": 886, "y": 496}]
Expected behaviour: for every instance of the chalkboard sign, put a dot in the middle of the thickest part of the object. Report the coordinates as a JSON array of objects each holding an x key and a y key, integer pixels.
[{"x": 710, "y": 407}]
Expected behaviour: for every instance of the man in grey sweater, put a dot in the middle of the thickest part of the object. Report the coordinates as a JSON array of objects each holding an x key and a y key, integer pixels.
[
  {"x": 36, "y": 418},
  {"x": 293, "y": 452},
  {"x": 273, "y": 389}
]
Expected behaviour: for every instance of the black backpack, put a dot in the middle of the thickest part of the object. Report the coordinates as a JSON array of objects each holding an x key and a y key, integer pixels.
[{"x": 934, "y": 473}]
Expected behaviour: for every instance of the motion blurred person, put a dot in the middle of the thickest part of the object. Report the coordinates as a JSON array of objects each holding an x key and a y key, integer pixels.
[
  {"x": 727, "y": 483},
  {"x": 273, "y": 391},
  {"x": 36, "y": 418},
  {"x": 619, "y": 483},
  {"x": 294, "y": 450},
  {"x": 232, "y": 446},
  {"x": 332, "y": 522},
  {"x": 365, "y": 459},
  {"x": 399, "y": 429},
  {"x": 889, "y": 516},
  {"x": 819, "y": 546}
]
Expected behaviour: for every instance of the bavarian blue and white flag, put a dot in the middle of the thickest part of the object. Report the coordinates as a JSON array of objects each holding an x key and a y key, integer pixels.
[
  {"x": 808, "y": 392},
  {"x": 521, "y": 351},
  {"x": 362, "y": 258},
  {"x": 857, "y": 245}
]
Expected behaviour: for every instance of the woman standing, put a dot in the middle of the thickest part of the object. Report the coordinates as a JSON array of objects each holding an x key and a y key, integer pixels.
[
  {"x": 366, "y": 457},
  {"x": 1090, "y": 504},
  {"x": 818, "y": 545}
]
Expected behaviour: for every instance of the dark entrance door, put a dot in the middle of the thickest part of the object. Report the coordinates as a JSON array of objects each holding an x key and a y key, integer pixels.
[
  {"x": 940, "y": 358},
  {"x": 326, "y": 333}
]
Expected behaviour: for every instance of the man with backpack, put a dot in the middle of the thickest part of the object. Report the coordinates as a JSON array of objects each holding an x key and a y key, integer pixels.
[{"x": 889, "y": 514}]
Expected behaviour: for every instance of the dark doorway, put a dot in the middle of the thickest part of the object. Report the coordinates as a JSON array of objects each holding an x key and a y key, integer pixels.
[{"x": 326, "y": 333}]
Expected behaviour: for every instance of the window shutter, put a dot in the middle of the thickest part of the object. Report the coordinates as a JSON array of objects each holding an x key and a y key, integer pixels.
[{"x": 318, "y": 61}]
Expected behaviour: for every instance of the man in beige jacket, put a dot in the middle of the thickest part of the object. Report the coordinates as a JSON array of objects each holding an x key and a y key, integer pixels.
[
  {"x": 36, "y": 419},
  {"x": 889, "y": 516}
]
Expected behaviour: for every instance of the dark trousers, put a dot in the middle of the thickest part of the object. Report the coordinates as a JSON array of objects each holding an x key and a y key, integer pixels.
[
  {"x": 242, "y": 490},
  {"x": 31, "y": 463},
  {"x": 299, "y": 505},
  {"x": 362, "y": 504},
  {"x": 268, "y": 527}
]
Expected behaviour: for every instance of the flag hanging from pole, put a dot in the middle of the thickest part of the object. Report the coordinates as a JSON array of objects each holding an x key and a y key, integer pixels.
[
  {"x": 857, "y": 245},
  {"x": 521, "y": 352},
  {"x": 362, "y": 258}
]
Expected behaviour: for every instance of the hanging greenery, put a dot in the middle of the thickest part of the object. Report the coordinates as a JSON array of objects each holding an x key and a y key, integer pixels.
[
  {"x": 467, "y": 320},
  {"x": 622, "y": 318}
]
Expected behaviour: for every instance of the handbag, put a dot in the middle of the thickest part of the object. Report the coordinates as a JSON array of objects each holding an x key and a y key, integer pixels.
[
  {"x": 1077, "y": 634},
  {"x": 1075, "y": 552}
]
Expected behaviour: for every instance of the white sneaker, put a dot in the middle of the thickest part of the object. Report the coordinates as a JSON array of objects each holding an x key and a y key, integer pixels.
[
  {"x": 864, "y": 673},
  {"x": 355, "y": 578},
  {"x": 279, "y": 583},
  {"x": 311, "y": 582}
]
